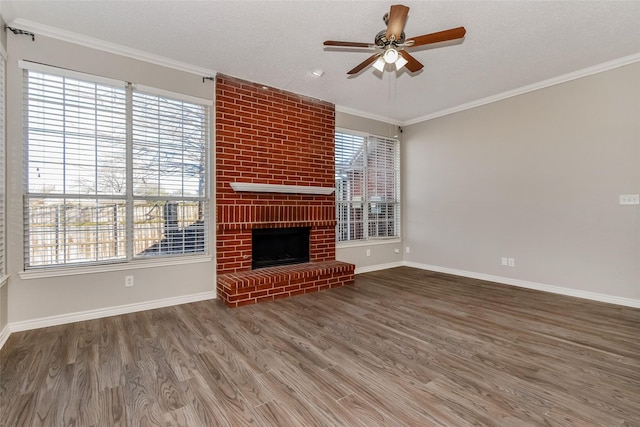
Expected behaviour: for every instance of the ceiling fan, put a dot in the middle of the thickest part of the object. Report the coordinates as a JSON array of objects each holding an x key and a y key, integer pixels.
[{"x": 391, "y": 43}]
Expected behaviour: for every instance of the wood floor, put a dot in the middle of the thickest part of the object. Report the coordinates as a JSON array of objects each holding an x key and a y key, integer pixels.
[{"x": 401, "y": 347}]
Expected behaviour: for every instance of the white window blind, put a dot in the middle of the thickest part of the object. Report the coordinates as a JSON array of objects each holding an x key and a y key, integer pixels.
[
  {"x": 350, "y": 186},
  {"x": 367, "y": 186},
  {"x": 169, "y": 170},
  {"x": 3, "y": 144},
  {"x": 108, "y": 172}
]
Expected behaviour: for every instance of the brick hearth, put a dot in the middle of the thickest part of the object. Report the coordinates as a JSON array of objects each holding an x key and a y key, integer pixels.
[
  {"x": 269, "y": 136},
  {"x": 267, "y": 284}
]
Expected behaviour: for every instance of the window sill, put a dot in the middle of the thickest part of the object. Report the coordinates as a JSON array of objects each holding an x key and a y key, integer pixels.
[
  {"x": 368, "y": 242},
  {"x": 41, "y": 273}
]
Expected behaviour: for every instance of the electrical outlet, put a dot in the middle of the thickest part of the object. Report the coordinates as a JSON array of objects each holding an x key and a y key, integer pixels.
[
  {"x": 368, "y": 252},
  {"x": 505, "y": 260},
  {"x": 407, "y": 250},
  {"x": 630, "y": 199},
  {"x": 128, "y": 281},
  {"x": 512, "y": 262}
]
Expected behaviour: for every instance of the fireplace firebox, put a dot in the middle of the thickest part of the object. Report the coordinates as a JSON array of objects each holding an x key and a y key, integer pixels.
[{"x": 279, "y": 246}]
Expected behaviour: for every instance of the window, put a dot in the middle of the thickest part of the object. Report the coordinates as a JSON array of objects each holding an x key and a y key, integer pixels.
[
  {"x": 114, "y": 173},
  {"x": 367, "y": 187}
]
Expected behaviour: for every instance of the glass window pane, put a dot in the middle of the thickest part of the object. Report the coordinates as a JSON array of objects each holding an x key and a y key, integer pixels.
[
  {"x": 72, "y": 127},
  {"x": 169, "y": 228},
  {"x": 169, "y": 146},
  {"x": 68, "y": 231},
  {"x": 367, "y": 187}
]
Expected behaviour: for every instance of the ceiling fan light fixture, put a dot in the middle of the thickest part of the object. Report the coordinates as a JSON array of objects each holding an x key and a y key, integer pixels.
[
  {"x": 390, "y": 56},
  {"x": 401, "y": 62},
  {"x": 379, "y": 64}
]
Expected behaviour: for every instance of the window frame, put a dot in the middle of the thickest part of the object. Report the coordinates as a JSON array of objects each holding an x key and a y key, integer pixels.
[
  {"x": 132, "y": 259},
  {"x": 367, "y": 201},
  {"x": 3, "y": 168}
]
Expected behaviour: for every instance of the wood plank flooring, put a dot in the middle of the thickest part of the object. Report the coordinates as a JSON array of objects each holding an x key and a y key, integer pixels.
[{"x": 402, "y": 347}]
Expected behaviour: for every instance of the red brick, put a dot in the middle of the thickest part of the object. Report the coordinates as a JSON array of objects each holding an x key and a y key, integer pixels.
[
  {"x": 276, "y": 137},
  {"x": 259, "y": 294}
]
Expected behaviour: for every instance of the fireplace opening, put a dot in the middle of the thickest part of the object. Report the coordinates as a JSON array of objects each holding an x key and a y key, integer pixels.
[{"x": 279, "y": 246}]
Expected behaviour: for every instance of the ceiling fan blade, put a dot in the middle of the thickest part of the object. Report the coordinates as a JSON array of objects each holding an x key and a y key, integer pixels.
[
  {"x": 441, "y": 36},
  {"x": 364, "y": 64},
  {"x": 412, "y": 64},
  {"x": 397, "y": 19},
  {"x": 347, "y": 44}
]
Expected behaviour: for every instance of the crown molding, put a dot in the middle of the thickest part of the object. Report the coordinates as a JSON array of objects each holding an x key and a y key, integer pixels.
[
  {"x": 620, "y": 62},
  {"x": 599, "y": 68},
  {"x": 365, "y": 115},
  {"x": 82, "y": 40}
]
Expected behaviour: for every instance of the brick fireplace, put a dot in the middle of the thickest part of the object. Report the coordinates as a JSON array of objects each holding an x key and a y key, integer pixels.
[{"x": 274, "y": 169}]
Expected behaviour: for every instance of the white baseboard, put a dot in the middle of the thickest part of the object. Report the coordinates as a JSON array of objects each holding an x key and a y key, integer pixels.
[
  {"x": 4, "y": 335},
  {"x": 371, "y": 268},
  {"x": 611, "y": 299},
  {"x": 105, "y": 312}
]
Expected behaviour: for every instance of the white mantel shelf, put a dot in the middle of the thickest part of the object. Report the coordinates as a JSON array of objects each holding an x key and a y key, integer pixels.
[{"x": 278, "y": 188}]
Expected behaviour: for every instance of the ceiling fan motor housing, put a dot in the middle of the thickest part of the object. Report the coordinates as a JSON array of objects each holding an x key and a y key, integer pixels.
[{"x": 381, "y": 39}]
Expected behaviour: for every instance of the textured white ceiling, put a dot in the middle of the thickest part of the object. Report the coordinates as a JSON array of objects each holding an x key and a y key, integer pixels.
[{"x": 509, "y": 44}]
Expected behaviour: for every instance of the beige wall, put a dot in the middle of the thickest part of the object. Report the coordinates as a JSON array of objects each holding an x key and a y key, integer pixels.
[
  {"x": 363, "y": 124},
  {"x": 4, "y": 321},
  {"x": 534, "y": 177},
  {"x": 32, "y": 299},
  {"x": 381, "y": 254},
  {"x": 3, "y": 33}
]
